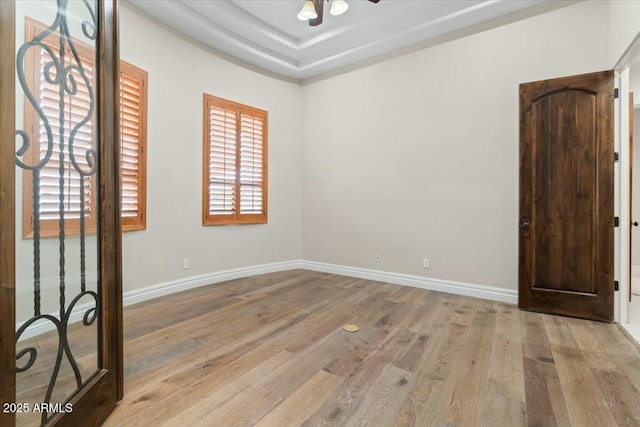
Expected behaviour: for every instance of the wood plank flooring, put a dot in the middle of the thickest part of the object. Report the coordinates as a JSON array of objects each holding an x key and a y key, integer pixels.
[{"x": 270, "y": 351}]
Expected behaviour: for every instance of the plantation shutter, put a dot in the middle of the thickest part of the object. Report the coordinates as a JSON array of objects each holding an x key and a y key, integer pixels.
[
  {"x": 251, "y": 165},
  {"x": 235, "y": 138},
  {"x": 133, "y": 110},
  {"x": 222, "y": 154},
  {"x": 76, "y": 110},
  {"x": 132, "y": 128}
]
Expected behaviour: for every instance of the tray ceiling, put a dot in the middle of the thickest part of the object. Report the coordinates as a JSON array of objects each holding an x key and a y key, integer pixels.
[{"x": 267, "y": 34}]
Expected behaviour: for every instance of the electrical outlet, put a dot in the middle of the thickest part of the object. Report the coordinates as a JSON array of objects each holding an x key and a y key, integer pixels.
[
  {"x": 185, "y": 264},
  {"x": 377, "y": 258},
  {"x": 425, "y": 263}
]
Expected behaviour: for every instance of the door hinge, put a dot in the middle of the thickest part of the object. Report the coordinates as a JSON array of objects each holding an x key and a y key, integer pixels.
[
  {"x": 616, "y": 157},
  {"x": 616, "y": 285},
  {"x": 616, "y": 221},
  {"x": 616, "y": 93}
]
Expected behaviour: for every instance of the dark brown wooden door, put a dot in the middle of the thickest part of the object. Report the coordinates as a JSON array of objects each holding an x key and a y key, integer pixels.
[{"x": 566, "y": 196}]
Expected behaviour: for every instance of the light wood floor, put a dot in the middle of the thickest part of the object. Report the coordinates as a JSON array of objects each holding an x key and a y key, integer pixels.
[
  {"x": 31, "y": 385},
  {"x": 270, "y": 351}
]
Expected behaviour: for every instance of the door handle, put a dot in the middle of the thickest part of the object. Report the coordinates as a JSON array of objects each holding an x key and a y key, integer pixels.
[
  {"x": 634, "y": 223},
  {"x": 524, "y": 224}
]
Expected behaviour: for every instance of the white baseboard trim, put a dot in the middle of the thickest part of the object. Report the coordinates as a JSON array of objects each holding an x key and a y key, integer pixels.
[
  {"x": 635, "y": 270},
  {"x": 179, "y": 285},
  {"x": 73, "y": 282},
  {"x": 166, "y": 288},
  {"x": 457, "y": 288},
  {"x": 42, "y": 326}
]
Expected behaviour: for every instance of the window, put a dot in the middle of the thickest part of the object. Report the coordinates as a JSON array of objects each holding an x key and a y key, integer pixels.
[
  {"x": 133, "y": 142},
  {"x": 235, "y": 163},
  {"x": 133, "y": 104}
]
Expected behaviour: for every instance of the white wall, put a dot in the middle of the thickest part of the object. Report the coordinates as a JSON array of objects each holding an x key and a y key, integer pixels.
[
  {"x": 179, "y": 73},
  {"x": 624, "y": 26},
  {"x": 417, "y": 157}
]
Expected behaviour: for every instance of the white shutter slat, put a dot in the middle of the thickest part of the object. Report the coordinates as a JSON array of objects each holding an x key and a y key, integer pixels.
[
  {"x": 251, "y": 164},
  {"x": 76, "y": 109},
  {"x": 222, "y": 161}
]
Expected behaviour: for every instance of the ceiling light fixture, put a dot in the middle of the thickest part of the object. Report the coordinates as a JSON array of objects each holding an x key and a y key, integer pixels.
[
  {"x": 312, "y": 10},
  {"x": 338, "y": 7},
  {"x": 307, "y": 12}
]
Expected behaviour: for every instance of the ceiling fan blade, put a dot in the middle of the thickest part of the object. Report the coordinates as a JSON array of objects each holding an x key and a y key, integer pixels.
[{"x": 319, "y": 6}]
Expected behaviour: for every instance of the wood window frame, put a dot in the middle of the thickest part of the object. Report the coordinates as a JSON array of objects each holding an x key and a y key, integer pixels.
[
  {"x": 139, "y": 222},
  {"x": 50, "y": 227},
  {"x": 237, "y": 217}
]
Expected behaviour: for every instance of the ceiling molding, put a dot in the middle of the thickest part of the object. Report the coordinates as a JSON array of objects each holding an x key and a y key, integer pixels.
[
  {"x": 126, "y": 4},
  {"x": 267, "y": 35},
  {"x": 445, "y": 38}
]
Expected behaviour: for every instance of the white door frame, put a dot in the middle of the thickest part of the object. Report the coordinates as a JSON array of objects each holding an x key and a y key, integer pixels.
[{"x": 622, "y": 187}]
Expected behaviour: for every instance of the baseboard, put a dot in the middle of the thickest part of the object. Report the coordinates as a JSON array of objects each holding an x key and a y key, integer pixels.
[
  {"x": 73, "y": 282},
  {"x": 167, "y": 288},
  {"x": 41, "y": 326},
  {"x": 179, "y": 285},
  {"x": 457, "y": 288}
]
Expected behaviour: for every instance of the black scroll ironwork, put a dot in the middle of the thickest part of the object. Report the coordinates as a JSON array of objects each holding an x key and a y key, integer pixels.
[{"x": 61, "y": 68}]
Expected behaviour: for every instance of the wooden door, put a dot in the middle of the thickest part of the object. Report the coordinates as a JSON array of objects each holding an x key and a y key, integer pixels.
[
  {"x": 60, "y": 335},
  {"x": 566, "y": 196}
]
